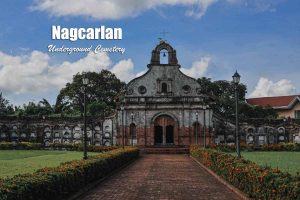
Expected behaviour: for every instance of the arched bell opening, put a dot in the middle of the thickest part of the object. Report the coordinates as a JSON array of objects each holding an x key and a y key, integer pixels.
[
  {"x": 165, "y": 51},
  {"x": 164, "y": 57}
]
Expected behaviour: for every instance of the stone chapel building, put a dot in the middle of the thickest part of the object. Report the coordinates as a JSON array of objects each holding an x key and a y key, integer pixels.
[{"x": 163, "y": 107}]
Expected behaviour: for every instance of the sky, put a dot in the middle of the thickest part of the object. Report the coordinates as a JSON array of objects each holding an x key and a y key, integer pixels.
[{"x": 213, "y": 38}]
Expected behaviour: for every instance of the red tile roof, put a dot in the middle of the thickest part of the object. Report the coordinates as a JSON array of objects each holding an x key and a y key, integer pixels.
[{"x": 275, "y": 102}]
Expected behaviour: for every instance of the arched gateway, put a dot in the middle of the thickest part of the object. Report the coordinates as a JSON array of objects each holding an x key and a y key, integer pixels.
[
  {"x": 164, "y": 127},
  {"x": 164, "y": 104}
]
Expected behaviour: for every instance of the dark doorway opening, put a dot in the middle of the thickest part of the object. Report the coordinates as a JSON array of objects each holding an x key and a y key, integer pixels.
[
  {"x": 169, "y": 134},
  {"x": 158, "y": 135}
]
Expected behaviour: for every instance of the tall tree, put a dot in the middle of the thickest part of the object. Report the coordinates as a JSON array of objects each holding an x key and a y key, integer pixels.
[
  {"x": 223, "y": 92},
  {"x": 5, "y": 107},
  {"x": 99, "y": 108},
  {"x": 45, "y": 107},
  {"x": 102, "y": 87}
]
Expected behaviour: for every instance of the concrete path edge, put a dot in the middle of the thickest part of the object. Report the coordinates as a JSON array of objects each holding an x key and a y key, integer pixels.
[{"x": 238, "y": 192}]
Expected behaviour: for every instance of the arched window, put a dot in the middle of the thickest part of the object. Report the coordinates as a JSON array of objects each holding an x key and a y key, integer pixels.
[
  {"x": 67, "y": 135},
  {"x": 250, "y": 130},
  {"x": 250, "y": 138},
  {"x": 2, "y": 135},
  {"x": 132, "y": 131},
  {"x": 14, "y": 135},
  {"x": 164, "y": 88}
]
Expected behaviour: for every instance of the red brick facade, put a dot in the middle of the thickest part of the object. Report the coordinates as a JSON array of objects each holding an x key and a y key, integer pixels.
[{"x": 184, "y": 136}]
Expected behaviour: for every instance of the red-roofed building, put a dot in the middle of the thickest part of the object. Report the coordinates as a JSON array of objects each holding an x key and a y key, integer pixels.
[{"x": 286, "y": 106}]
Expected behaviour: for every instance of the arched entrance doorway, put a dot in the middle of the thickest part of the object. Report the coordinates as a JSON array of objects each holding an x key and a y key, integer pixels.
[{"x": 164, "y": 130}]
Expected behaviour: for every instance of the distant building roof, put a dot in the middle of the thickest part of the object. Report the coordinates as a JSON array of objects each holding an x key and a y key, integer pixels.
[{"x": 278, "y": 102}]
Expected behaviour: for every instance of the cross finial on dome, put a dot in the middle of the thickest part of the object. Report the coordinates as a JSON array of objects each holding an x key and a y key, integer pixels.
[{"x": 163, "y": 36}]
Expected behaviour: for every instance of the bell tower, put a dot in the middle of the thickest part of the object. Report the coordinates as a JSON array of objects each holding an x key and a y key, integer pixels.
[{"x": 172, "y": 58}]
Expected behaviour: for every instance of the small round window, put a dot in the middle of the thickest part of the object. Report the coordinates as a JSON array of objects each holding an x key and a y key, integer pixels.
[
  {"x": 186, "y": 89},
  {"x": 142, "y": 89}
]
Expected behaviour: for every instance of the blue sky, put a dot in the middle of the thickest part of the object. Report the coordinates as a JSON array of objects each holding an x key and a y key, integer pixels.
[{"x": 213, "y": 38}]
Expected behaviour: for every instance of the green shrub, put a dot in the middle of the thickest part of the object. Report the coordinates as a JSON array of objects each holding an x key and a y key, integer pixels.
[
  {"x": 54, "y": 146},
  {"x": 20, "y": 146},
  {"x": 256, "y": 181},
  {"x": 79, "y": 147},
  {"x": 61, "y": 146},
  {"x": 29, "y": 146},
  {"x": 7, "y": 145},
  {"x": 59, "y": 182},
  {"x": 251, "y": 147}
]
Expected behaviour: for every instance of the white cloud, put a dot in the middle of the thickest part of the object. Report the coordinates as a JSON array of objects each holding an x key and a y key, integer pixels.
[
  {"x": 266, "y": 88},
  {"x": 61, "y": 74},
  {"x": 263, "y": 5},
  {"x": 124, "y": 70},
  {"x": 198, "y": 68},
  {"x": 23, "y": 73},
  {"x": 117, "y": 9},
  {"x": 201, "y": 8},
  {"x": 33, "y": 73}
]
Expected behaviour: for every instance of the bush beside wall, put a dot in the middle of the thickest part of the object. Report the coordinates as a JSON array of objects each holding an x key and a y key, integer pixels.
[
  {"x": 52, "y": 146},
  {"x": 256, "y": 181},
  {"x": 62, "y": 181},
  {"x": 79, "y": 147},
  {"x": 20, "y": 146},
  {"x": 250, "y": 147}
]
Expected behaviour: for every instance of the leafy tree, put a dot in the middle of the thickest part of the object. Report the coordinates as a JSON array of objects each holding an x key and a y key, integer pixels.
[
  {"x": 249, "y": 111},
  {"x": 5, "y": 107},
  {"x": 44, "y": 108},
  {"x": 102, "y": 87},
  {"x": 98, "y": 108},
  {"x": 19, "y": 111},
  {"x": 31, "y": 109},
  {"x": 223, "y": 93}
]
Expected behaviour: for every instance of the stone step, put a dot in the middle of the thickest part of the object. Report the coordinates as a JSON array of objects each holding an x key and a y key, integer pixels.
[{"x": 165, "y": 150}]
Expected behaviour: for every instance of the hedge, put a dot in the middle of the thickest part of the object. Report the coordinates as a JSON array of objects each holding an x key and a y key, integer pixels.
[
  {"x": 62, "y": 181},
  {"x": 79, "y": 147},
  {"x": 255, "y": 181},
  {"x": 251, "y": 147},
  {"x": 20, "y": 145},
  {"x": 53, "y": 146}
]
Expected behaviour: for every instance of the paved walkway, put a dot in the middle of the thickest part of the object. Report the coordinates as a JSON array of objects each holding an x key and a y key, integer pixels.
[{"x": 161, "y": 177}]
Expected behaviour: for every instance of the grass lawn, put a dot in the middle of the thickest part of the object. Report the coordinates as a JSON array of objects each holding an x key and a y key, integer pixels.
[
  {"x": 13, "y": 162},
  {"x": 284, "y": 160}
]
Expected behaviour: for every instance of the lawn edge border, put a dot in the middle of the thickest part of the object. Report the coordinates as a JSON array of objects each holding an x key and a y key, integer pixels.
[
  {"x": 238, "y": 192},
  {"x": 93, "y": 185}
]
